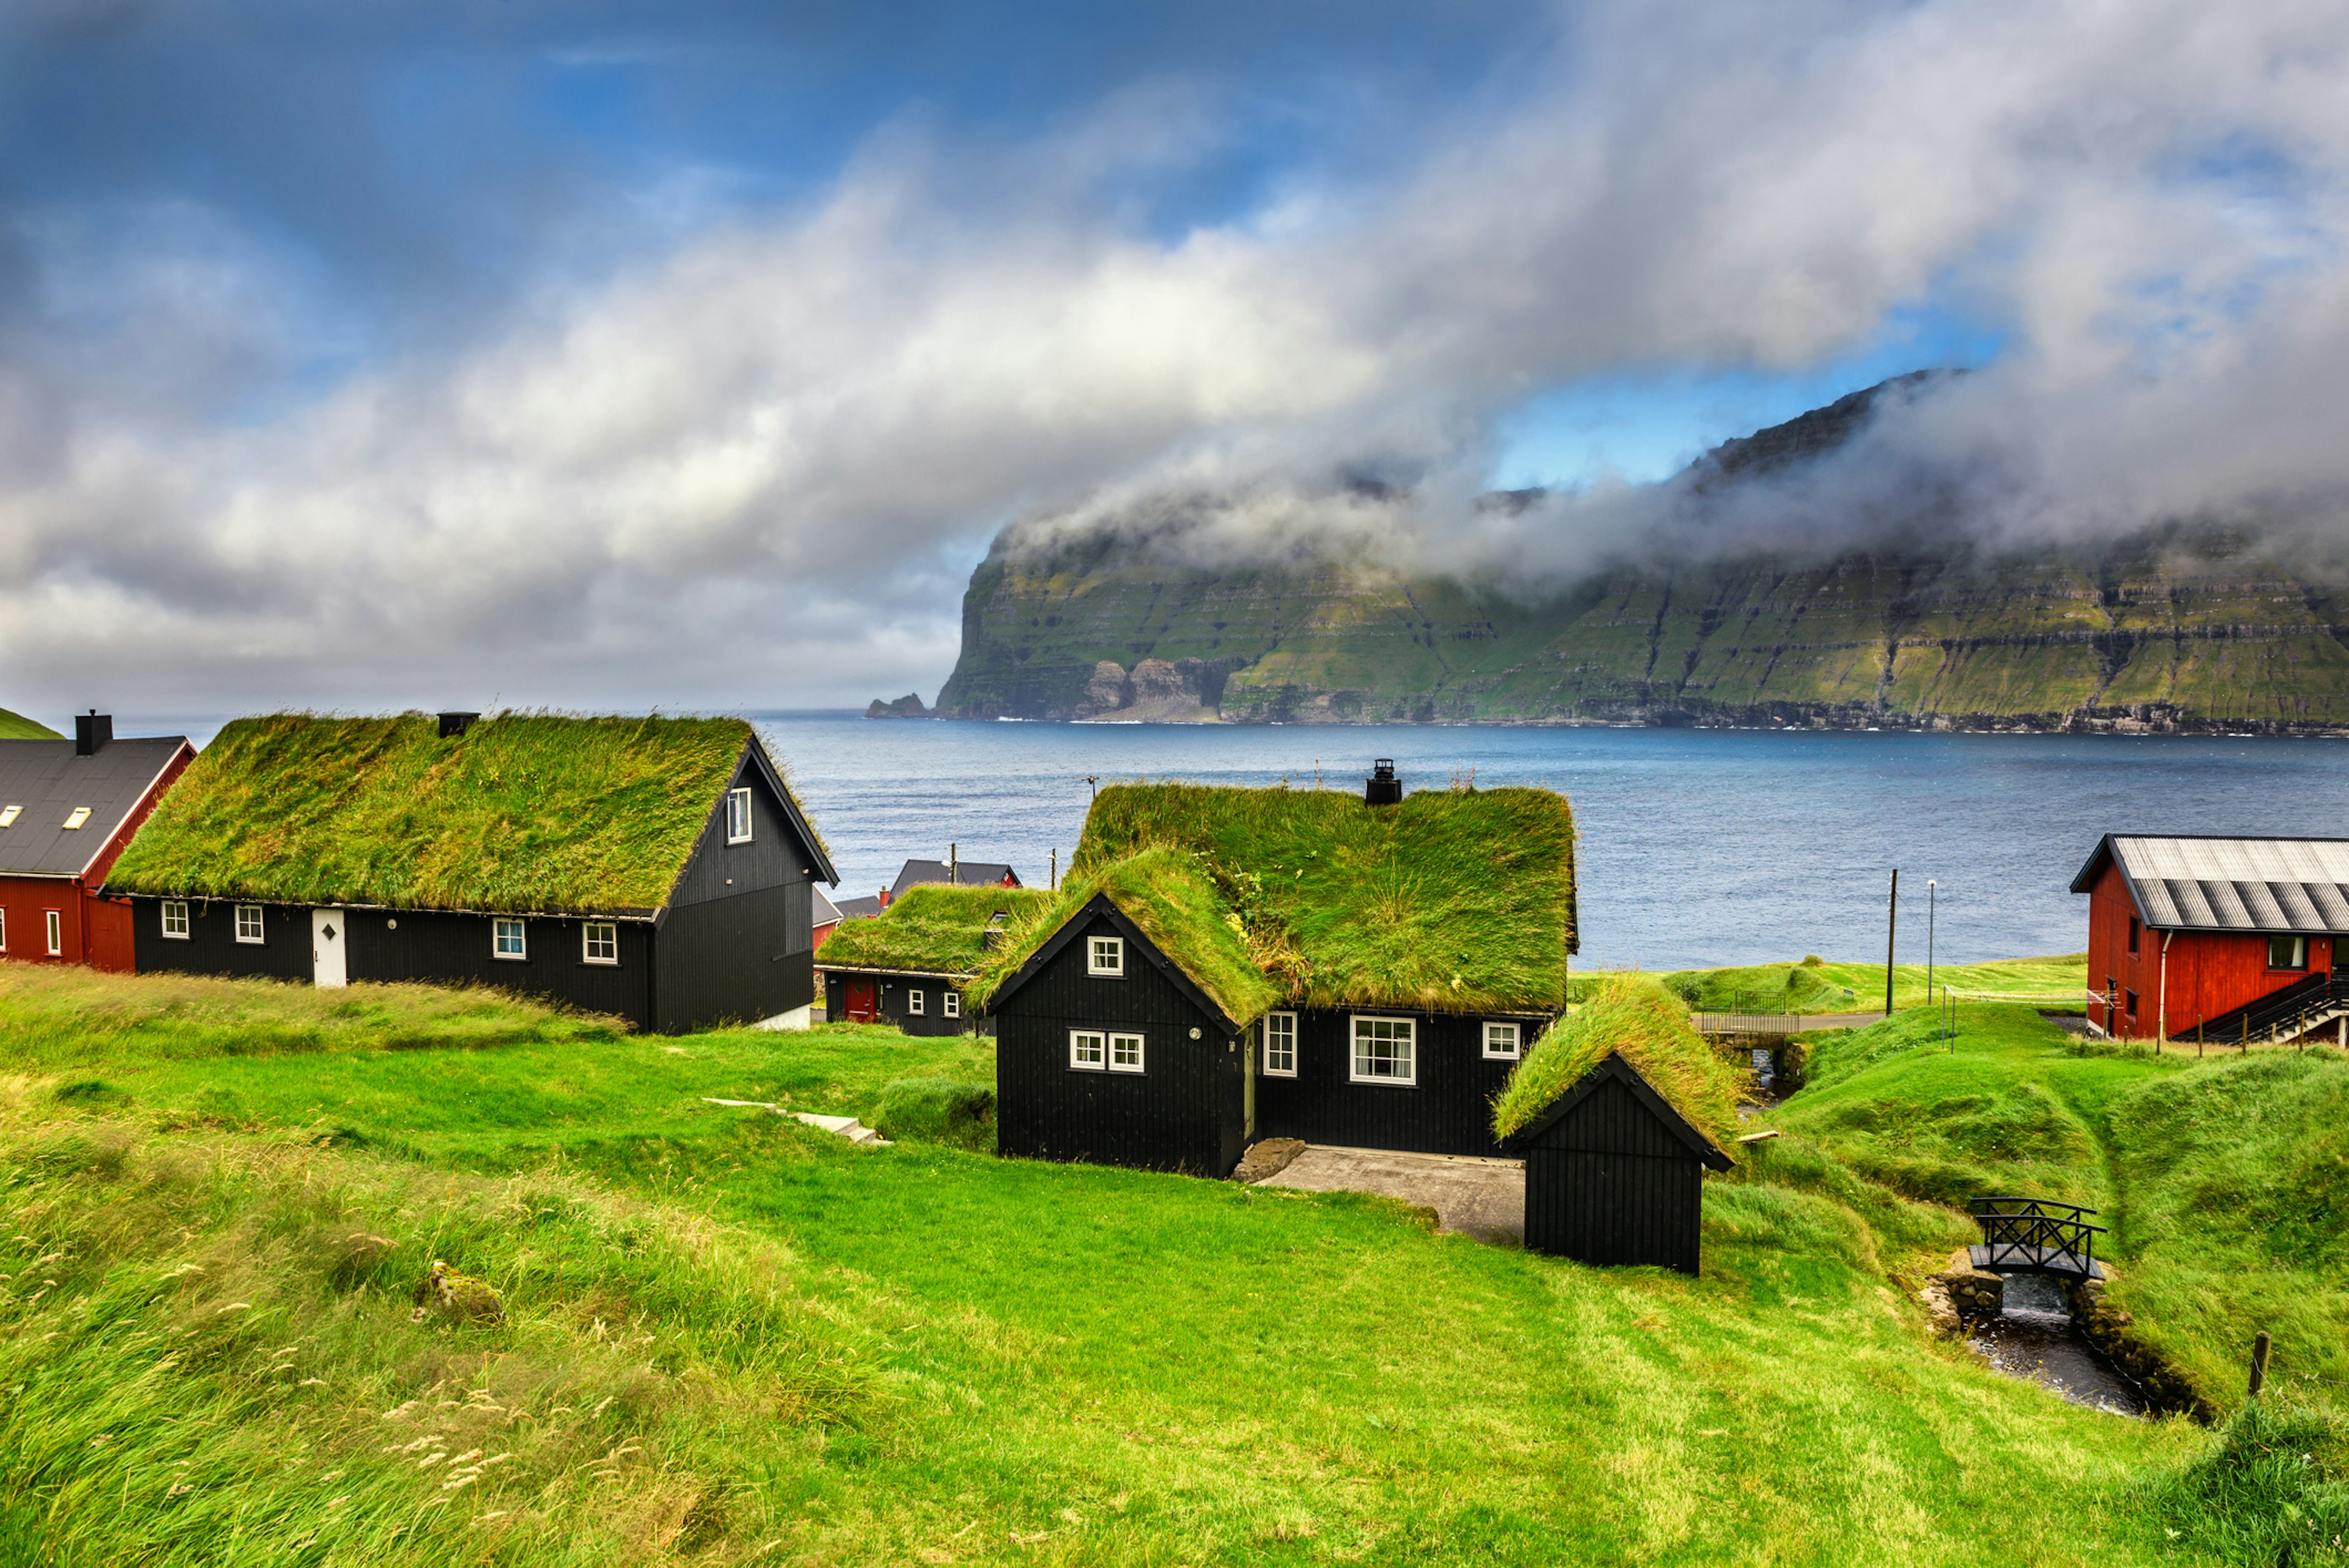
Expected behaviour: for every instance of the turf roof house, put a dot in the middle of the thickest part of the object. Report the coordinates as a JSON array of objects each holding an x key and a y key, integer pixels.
[
  {"x": 907, "y": 965},
  {"x": 1230, "y": 964},
  {"x": 68, "y": 809},
  {"x": 656, "y": 868}
]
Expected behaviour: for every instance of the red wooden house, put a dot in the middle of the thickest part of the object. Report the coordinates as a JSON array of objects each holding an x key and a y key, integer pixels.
[
  {"x": 2221, "y": 939},
  {"x": 67, "y": 810}
]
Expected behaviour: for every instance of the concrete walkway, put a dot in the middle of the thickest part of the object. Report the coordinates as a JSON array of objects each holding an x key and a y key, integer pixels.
[{"x": 1481, "y": 1198}]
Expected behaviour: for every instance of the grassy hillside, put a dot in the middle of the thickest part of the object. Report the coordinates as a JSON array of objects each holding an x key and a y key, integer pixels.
[
  {"x": 1816, "y": 986},
  {"x": 731, "y": 1338},
  {"x": 17, "y": 727}
]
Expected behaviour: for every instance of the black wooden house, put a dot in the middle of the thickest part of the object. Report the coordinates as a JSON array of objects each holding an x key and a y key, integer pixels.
[
  {"x": 654, "y": 869},
  {"x": 1234, "y": 965},
  {"x": 906, "y": 965}
]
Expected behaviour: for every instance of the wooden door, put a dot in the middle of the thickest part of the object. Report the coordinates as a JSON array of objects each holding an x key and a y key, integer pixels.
[
  {"x": 328, "y": 939},
  {"x": 862, "y": 1006}
]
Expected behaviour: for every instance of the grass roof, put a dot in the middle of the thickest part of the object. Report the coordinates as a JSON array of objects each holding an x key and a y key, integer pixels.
[
  {"x": 1652, "y": 1028},
  {"x": 931, "y": 928},
  {"x": 1456, "y": 900},
  {"x": 522, "y": 811},
  {"x": 1173, "y": 897}
]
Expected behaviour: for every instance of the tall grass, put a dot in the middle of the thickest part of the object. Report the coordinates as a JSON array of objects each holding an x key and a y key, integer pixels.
[
  {"x": 2273, "y": 1489},
  {"x": 942, "y": 930},
  {"x": 1650, "y": 1028}
]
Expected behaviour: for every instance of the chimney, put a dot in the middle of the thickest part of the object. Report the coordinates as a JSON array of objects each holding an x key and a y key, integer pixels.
[
  {"x": 885, "y": 898},
  {"x": 992, "y": 937},
  {"x": 456, "y": 723},
  {"x": 93, "y": 730},
  {"x": 1384, "y": 788}
]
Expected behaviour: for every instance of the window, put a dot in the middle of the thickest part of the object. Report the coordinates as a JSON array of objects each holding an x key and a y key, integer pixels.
[
  {"x": 8, "y": 815},
  {"x": 2132, "y": 1001},
  {"x": 248, "y": 923},
  {"x": 1280, "y": 1045},
  {"x": 1126, "y": 1053},
  {"x": 507, "y": 940},
  {"x": 1382, "y": 1051},
  {"x": 738, "y": 816},
  {"x": 1088, "y": 1050},
  {"x": 175, "y": 920},
  {"x": 2287, "y": 953},
  {"x": 914, "y": 1002},
  {"x": 1105, "y": 955},
  {"x": 599, "y": 942},
  {"x": 56, "y": 922},
  {"x": 3, "y": 931},
  {"x": 954, "y": 1004},
  {"x": 1501, "y": 1041},
  {"x": 2136, "y": 928},
  {"x": 77, "y": 816}
]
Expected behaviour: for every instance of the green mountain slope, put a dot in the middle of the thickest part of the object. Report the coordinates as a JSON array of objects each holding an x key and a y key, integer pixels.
[
  {"x": 2179, "y": 630},
  {"x": 17, "y": 727}
]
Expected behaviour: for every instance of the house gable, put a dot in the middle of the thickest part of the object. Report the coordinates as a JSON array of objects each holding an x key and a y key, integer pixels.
[
  {"x": 1139, "y": 946},
  {"x": 1614, "y": 1070}
]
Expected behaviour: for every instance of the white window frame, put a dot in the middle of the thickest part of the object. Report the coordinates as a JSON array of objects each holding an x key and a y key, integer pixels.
[
  {"x": 501, "y": 926},
  {"x": 8, "y": 815},
  {"x": 1124, "y": 1052},
  {"x": 175, "y": 913},
  {"x": 1088, "y": 1050},
  {"x": 1271, "y": 1061},
  {"x": 253, "y": 910},
  {"x": 54, "y": 919},
  {"x": 953, "y": 1006},
  {"x": 1409, "y": 1039},
  {"x": 914, "y": 1001},
  {"x": 3, "y": 931},
  {"x": 587, "y": 941},
  {"x": 1514, "y": 1040},
  {"x": 1108, "y": 948},
  {"x": 77, "y": 817},
  {"x": 738, "y": 816}
]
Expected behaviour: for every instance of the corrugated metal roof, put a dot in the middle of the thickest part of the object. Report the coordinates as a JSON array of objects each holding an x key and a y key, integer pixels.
[
  {"x": 2238, "y": 884},
  {"x": 46, "y": 783}
]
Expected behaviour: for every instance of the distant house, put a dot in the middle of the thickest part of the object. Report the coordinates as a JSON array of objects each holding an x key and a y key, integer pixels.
[
  {"x": 824, "y": 914},
  {"x": 1230, "y": 964},
  {"x": 2224, "y": 938},
  {"x": 68, "y": 809},
  {"x": 907, "y": 965},
  {"x": 656, "y": 868},
  {"x": 861, "y": 908},
  {"x": 953, "y": 873}
]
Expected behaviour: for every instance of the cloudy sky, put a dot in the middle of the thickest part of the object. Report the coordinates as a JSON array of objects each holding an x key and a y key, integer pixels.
[{"x": 441, "y": 352}]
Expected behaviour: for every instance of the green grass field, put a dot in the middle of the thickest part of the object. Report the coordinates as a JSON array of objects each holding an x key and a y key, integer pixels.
[
  {"x": 1818, "y": 986},
  {"x": 730, "y": 1338}
]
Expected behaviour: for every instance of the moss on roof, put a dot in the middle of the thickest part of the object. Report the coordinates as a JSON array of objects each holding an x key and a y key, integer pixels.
[
  {"x": 931, "y": 929},
  {"x": 1456, "y": 900},
  {"x": 1652, "y": 1028},
  {"x": 1173, "y": 896},
  {"x": 522, "y": 811}
]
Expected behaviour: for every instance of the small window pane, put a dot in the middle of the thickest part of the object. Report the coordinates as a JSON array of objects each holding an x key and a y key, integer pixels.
[
  {"x": 1501, "y": 1041},
  {"x": 2287, "y": 953},
  {"x": 954, "y": 1004},
  {"x": 1280, "y": 1044},
  {"x": 913, "y": 1003},
  {"x": 506, "y": 940},
  {"x": 57, "y": 934},
  {"x": 1126, "y": 1053},
  {"x": 3, "y": 931},
  {"x": 248, "y": 923},
  {"x": 1383, "y": 1050},
  {"x": 175, "y": 920},
  {"x": 1105, "y": 955},
  {"x": 602, "y": 938},
  {"x": 738, "y": 816},
  {"x": 1086, "y": 1050}
]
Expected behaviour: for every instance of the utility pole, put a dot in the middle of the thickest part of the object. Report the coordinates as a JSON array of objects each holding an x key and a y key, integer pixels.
[
  {"x": 1929, "y": 886},
  {"x": 1891, "y": 932},
  {"x": 1053, "y": 881},
  {"x": 954, "y": 865}
]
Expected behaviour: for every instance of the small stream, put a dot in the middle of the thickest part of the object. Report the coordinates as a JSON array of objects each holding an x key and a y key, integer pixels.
[{"x": 2035, "y": 1338}]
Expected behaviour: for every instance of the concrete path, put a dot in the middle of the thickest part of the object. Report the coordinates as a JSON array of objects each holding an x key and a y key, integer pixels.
[{"x": 1481, "y": 1198}]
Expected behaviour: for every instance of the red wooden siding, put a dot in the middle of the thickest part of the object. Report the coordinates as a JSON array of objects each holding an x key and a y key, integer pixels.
[
  {"x": 2210, "y": 971},
  {"x": 96, "y": 931}
]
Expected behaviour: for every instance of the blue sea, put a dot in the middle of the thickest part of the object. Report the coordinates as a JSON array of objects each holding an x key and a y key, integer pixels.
[{"x": 1698, "y": 846}]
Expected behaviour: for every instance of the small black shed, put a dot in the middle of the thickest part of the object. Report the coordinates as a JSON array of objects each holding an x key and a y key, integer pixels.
[{"x": 1614, "y": 1174}]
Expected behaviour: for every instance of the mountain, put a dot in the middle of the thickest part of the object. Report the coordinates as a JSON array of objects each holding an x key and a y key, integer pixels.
[
  {"x": 17, "y": 727},
  {"x": 2176, "y": 629}
]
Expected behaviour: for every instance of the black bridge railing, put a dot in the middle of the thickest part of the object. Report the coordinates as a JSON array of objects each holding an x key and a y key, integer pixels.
[
  {"x": 2035, "y": 1235},
  {"x": 2278, "y": 1015}
]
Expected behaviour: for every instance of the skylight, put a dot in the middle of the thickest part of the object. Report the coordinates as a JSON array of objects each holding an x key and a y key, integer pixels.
[
  {"x": 8, "y": 815},
  {"x": 80, "y": 815}
]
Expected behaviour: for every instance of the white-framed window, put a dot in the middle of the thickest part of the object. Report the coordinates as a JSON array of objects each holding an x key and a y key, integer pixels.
[
  {"x": 599, "y": 942},
  {"x": 1385, "y": 1051},
  {"x": 1280, "y": 1045},
  {"x": 77, "y": 816},
  {"x": 175, "y": 919},
  {"x": 954, "y": 1004},
  {"x": 248, "y": 923},
  {"x": 738, "y": 816},
  {"x": 1089, "y": 1050},
  {"x": 57, "y": 924},
  {"x": 3, "y": 931},
  {"x": 508, "y": 938},
  {"x": 1503, "y": 1041},
  {"x": 914, "y": 1001},
  {"x": 1105, "y": 955},
  {"x": 1126, "y": 1053},
  {"x": 8, "y": 815}
]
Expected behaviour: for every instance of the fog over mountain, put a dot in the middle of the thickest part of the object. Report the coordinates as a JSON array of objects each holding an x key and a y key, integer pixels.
[{"x": 693, "y": 430}]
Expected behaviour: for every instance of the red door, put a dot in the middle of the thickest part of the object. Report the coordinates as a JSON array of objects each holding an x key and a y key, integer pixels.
[{"x": 861, "y": 1007}]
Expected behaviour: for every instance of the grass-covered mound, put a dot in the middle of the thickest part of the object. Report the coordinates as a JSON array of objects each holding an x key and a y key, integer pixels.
[
  {"x": 211, "y": 1357},
  {"x": 1455, "y": 899},
  {"x": 1174, "y": 897},
  {"x": 522, "y": 811},
  {"x": 17, "y": 727},
  {"x": 1650, "y": 1028},
  {"x": 938, "y": 1110},
  {"x": 932, "y": 929},
  {"x": 1818, "y": 986}
]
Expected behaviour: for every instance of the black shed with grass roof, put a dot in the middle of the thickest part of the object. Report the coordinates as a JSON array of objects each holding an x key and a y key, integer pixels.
[
  {"x": 1615, "y": 1174},
  {"x": 906, "y": 964},
  {"x": 655, "y": 869}
]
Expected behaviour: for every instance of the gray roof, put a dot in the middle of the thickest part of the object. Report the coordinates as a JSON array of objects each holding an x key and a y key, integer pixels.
[
  {"x": 47, "y": 783},
  {"x": 864, "y": 908},
  {"x": 2230, "y": 884},
  {"x": 968, "y": 874},
  {"x": 826, "y": 912}
]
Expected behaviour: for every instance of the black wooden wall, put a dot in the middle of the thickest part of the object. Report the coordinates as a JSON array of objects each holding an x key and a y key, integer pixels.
[
  {"x": 443, "y": 947},
  {"x": 736, "y": 943},
  {"x": 1609, "y": 1182},
  {"x": 1448, "y": 1111},
  {"x": 1184, "y": 1113},
  {"x": 893, "y": 1004},
  {"x": 211, "y": 948}
]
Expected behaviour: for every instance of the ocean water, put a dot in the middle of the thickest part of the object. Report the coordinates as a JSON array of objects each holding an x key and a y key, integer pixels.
[{"x": 1698, "y": 846}]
